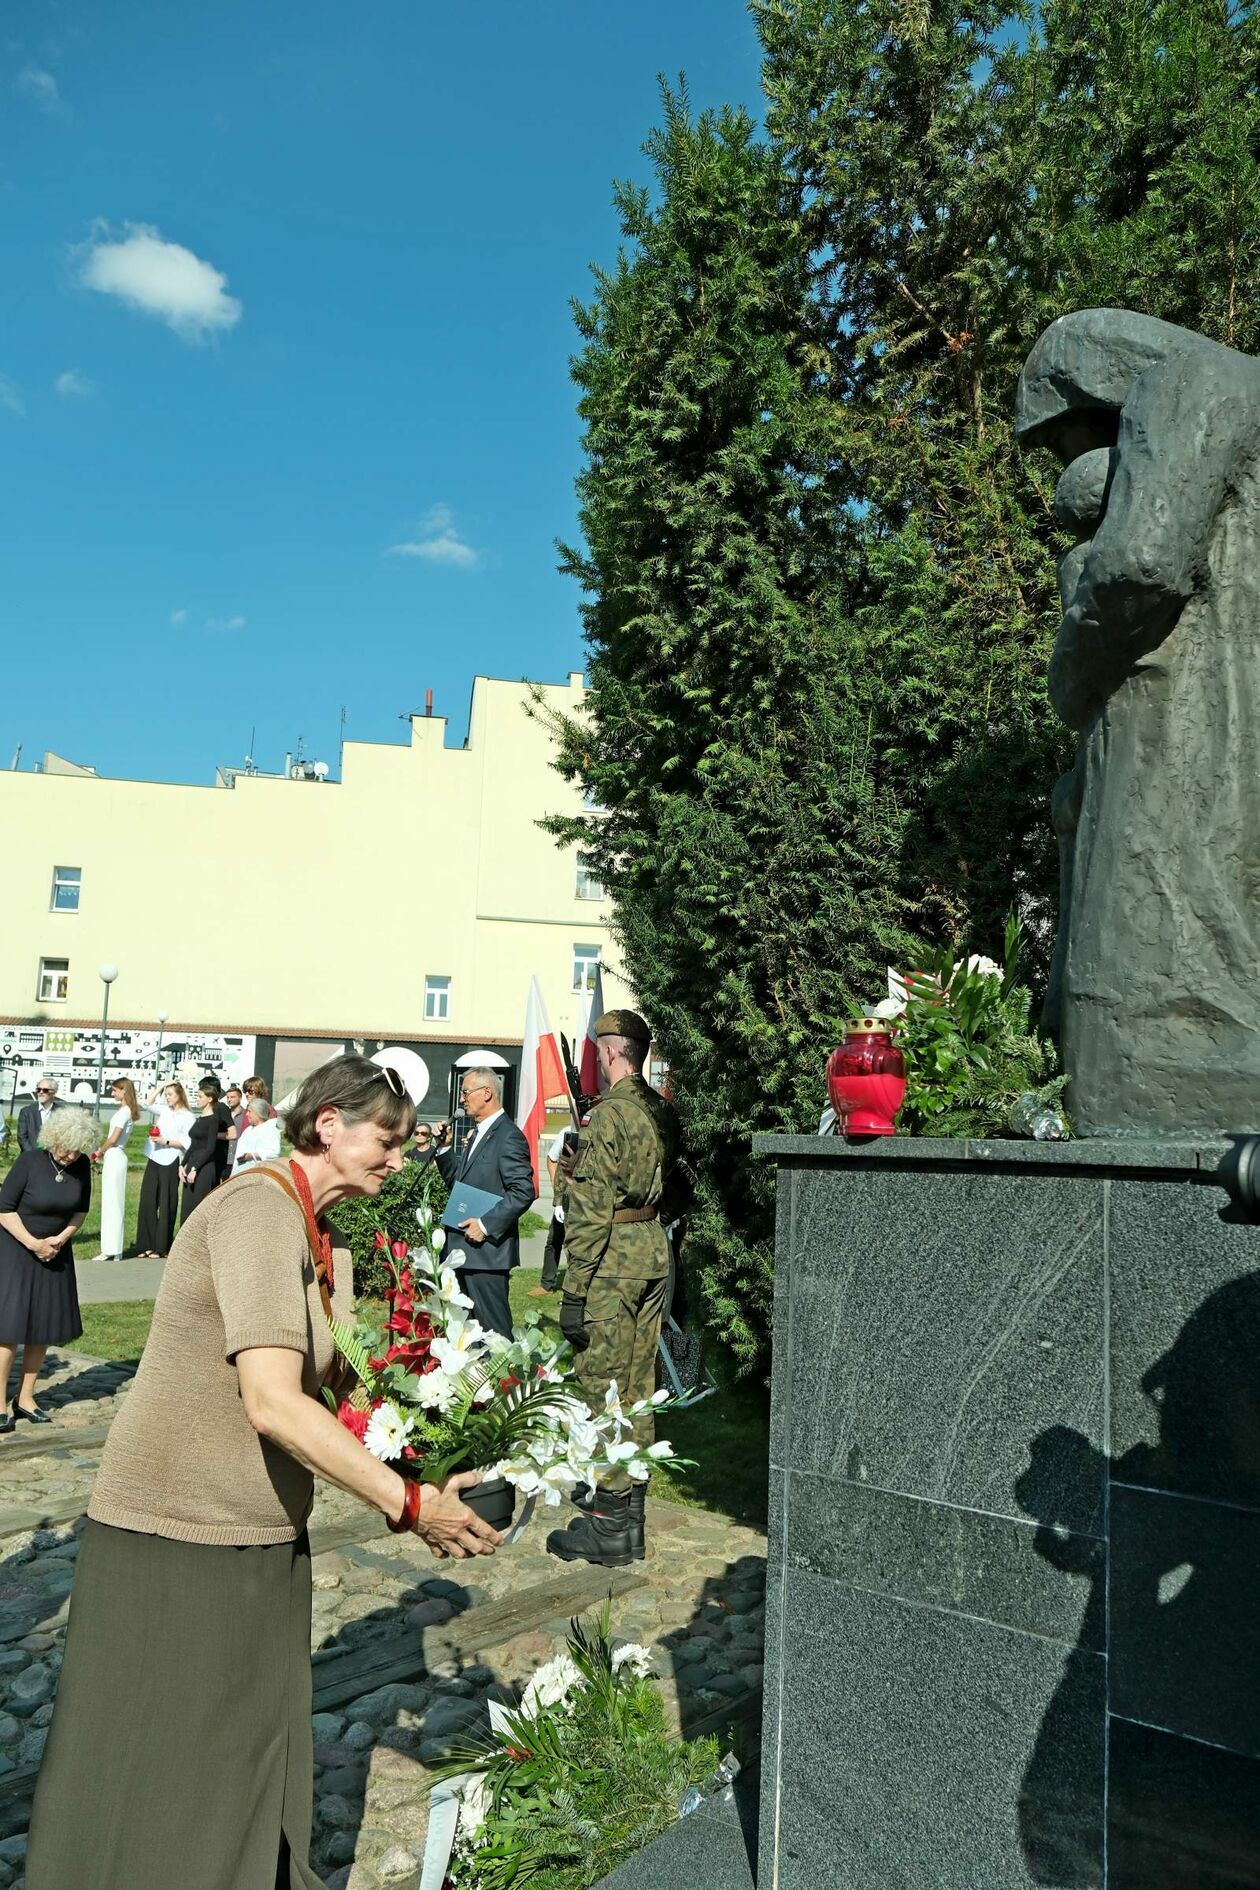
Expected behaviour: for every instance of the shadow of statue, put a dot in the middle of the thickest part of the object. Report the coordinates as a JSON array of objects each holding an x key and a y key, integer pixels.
[{"x": 1175, "y": 1610}]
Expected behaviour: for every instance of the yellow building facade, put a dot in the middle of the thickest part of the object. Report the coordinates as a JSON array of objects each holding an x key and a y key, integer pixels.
[{"x": 410, "y": 902}]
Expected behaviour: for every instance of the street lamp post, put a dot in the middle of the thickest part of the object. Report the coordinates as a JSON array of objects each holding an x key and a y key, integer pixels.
[
  {"x": 108, "y": 974},
  {"x": 157, "y": 1062}
]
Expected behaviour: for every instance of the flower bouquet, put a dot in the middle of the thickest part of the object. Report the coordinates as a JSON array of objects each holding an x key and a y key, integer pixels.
[
  {"x": 436, "y": 1393},
  {"x": 573, "y": 1780}
]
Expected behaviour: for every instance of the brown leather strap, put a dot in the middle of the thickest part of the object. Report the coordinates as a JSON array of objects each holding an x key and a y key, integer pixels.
[
  {"x": 317, "y": 1260},
  {"x": 625, "y": 1217}
]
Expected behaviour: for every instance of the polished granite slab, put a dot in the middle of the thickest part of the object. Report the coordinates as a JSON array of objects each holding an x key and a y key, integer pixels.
[
  {"x": 714, "y": 1848},
  {"x": 1015, "y": 1446}
]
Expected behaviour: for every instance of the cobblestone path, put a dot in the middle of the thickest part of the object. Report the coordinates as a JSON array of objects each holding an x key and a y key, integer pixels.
[{"x": 406, "y": 1650}]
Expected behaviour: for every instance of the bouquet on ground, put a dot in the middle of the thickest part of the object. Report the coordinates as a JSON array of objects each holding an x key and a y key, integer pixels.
[
  {"x": 576, "y": 1778},
  {"x": 437, "y": 1393}
]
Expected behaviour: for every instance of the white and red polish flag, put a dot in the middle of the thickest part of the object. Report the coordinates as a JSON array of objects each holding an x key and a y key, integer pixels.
[
  {"x": 542, "y": 1074},
  {"x": 588, "y": 1063}
]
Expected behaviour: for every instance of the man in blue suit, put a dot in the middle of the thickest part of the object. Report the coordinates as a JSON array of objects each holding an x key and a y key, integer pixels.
[{"x": 495, "y": 1157}]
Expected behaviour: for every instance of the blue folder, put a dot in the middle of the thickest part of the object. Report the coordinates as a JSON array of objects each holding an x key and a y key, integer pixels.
[{"x": 468, "y": 1204}]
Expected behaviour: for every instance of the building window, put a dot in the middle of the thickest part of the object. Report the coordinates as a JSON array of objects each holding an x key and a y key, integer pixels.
[
  {"x": 437, "y": 1000},
  {"x": 54, "y": 980},
  {"x": 589, "y": 885},
  {"x": 65, "y": 888},
  {"x": 585, "y": 968}
]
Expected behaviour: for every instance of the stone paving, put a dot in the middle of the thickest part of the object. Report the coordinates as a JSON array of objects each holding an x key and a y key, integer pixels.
[{"x": 698, "y": 1602}]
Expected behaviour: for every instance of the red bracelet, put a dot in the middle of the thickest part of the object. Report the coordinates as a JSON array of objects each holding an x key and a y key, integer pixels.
[{"x": 410, "y": 1509}]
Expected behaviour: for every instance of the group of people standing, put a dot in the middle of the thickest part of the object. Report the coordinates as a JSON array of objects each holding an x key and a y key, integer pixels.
[
  {"x": 189, "y": 1151},
  {"x": 46, "y": 1194}
]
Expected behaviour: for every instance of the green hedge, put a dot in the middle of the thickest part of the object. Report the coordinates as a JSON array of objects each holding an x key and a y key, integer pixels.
[{"x": 391, "y": 1212}]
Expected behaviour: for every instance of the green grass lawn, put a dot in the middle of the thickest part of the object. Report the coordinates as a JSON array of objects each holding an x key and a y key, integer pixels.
[{"x": 727, "y": 1434}]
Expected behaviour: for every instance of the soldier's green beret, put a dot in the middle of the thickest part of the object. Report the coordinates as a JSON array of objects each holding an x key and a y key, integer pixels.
[{"x": 623, "y": 1024}]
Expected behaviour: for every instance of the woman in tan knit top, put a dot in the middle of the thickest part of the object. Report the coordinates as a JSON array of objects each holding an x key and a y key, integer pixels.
[{"x": 180, "y": 1749}]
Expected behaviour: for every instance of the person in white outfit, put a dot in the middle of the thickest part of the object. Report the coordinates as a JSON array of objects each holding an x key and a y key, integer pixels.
[
  {"x": 112, "y": 1155},
  {"x": 159, "y": 1191},
  {"x": 259, "y": 1140}
]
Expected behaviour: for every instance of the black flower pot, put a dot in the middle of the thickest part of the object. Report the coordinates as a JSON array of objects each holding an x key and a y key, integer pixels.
[{"x": 494, "y": 1500}]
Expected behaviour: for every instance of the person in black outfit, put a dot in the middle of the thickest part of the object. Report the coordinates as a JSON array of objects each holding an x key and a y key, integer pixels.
[
  {"x": 199, "y": 1170},
  {"x": 225, "y": 1134},
  {"x": 45, "y": 1196},
  {"x": 36, "y": 1114}
]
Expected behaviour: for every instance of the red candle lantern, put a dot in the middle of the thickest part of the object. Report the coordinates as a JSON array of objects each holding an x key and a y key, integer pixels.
[{"x": 866, "y": 1079}]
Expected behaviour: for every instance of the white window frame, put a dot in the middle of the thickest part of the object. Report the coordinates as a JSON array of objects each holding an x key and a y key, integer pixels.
[
  {"x": 58, "y": 883},
  {"x": 586, "y": 968},
  {"x": 437, "y": 1000},
  {"x": 587, "y": 886},
  {"x": 53, "y": 971}
]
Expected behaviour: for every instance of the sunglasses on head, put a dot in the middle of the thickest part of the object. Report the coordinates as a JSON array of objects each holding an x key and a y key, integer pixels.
[{"x": 386, "y": 1075}]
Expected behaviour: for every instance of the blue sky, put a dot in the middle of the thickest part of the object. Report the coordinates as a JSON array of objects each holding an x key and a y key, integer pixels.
[{"x": 284, "y": 288}]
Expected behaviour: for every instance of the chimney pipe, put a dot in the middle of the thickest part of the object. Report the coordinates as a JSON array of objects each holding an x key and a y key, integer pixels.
[
  {"x": 428, "y": 702},
  {"x": 288, "y": 767}
]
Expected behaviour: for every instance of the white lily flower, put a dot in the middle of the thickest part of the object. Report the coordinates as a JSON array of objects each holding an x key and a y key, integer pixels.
[
  {"x": 889, "y": 1007},
  {"x": 437, "y": 1239},
  {"x": 449, "y": 1288},
  {"x": 612, "y": 1407},
  {"x": 387, "y": 1432},
  {"x": 662, "y": 1448},
  {"x": 461, "y": 1343},
  {"x": 622, "y": 1453},
  {"x": 985, "y": 967}
]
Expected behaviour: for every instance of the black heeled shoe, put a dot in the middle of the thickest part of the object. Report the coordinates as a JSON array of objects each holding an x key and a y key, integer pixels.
[
  {"x": 35, "y": 1416},
  {"x": 7, "y": 1423}
]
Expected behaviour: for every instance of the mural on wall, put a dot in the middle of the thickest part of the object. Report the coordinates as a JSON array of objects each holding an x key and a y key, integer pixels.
[{"x": 72, "y": 1056}]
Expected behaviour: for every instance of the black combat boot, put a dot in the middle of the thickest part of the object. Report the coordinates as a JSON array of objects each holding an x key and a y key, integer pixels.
[
  {"x": 610, "y": 1534},
  {"x": 582, "y": 1497}
]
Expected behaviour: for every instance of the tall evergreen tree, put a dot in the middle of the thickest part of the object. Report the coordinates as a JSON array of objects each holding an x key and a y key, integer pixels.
[{"x": 727, "y": 720}]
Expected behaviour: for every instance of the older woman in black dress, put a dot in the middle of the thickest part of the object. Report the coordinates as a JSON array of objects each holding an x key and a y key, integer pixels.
[{"x": 42, "y": 1204}]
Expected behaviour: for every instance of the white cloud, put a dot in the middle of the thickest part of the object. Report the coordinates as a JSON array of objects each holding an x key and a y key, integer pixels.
[
  {"x": 226, "y": 623},
  {"x": 163, "y": 279},
  {"x": 74, "y": 385},
  {"x": 438, "y": 540},
  {"x": 11, "y": 397},
  {"x": 40, "y": 87},
  {"x": 178, "y": 617}
]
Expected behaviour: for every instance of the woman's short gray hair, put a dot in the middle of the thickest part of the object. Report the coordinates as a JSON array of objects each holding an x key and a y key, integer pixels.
[
  {"x": 259, "y": 1108},
  {"x": 73, "y": 1131}
]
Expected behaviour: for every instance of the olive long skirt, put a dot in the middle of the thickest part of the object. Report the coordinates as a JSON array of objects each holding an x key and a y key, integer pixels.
[{"x": 180, "y": 1747}]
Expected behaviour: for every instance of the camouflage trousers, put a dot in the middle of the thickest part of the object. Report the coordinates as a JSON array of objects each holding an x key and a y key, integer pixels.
[{"x": 623, "y": 1317}]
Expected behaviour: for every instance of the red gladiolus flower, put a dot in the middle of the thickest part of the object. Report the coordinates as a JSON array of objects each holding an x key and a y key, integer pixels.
[
  {"x": 399, "y": 1249},
  {"x": 382, "y": 1240},
  {"x": 355, "y": 1421},
  {"x": 517, "y": 1752},
  {"x": 509, "y": 1383}
]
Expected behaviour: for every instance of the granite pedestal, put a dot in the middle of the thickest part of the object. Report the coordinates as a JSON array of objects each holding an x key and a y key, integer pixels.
[{"x": 1013, "y": 1622}]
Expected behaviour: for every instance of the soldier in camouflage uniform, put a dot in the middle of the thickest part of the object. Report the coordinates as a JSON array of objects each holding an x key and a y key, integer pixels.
[{"x": 618, "y": 1268}]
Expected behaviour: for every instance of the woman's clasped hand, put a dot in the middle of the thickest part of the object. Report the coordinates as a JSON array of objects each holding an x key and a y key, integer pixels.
[{"x": 446, "y": 1523}]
